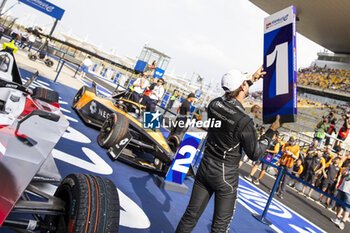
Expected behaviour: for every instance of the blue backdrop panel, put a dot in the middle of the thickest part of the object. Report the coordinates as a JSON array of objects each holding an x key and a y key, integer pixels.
[{"x": 140, "y": 65}]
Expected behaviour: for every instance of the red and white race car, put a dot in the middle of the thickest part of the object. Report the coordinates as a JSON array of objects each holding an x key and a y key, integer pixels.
[{"x": 31, "y": 124}]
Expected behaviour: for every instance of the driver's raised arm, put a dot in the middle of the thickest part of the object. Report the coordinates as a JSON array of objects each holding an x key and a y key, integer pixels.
[{"x": 253, "y": 147}]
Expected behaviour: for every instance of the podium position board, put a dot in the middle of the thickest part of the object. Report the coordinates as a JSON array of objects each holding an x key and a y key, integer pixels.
[
  {"x": 184, "y": 157},
  {"x": 280, "y": 84}
]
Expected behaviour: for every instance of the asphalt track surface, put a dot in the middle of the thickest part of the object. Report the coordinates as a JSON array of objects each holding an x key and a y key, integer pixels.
[
  {"x": 311, "y": 210},
  {"x": 145, "y": 207}
]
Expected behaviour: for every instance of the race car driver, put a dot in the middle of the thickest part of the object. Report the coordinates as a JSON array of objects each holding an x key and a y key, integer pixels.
[{"x": 218, "y": 170}]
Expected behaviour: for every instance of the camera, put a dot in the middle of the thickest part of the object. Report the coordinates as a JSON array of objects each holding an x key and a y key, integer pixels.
[
  {"x": 346, "y": 116},
  {"x": 36, "y": 31}
]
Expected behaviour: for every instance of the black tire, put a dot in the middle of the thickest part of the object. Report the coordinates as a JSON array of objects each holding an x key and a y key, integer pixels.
[
  {"x": 45, "y": 95},
  {"x": 42, "y": 55},
  {"x": 113, "y": 130},
  {"x": 78, "y": 96},
  {"x": 174, "y": 142},
  {"x": 48, "y": 63},
  {"x": 32, "y": 57},
  {"x": 91, "y": 204}
]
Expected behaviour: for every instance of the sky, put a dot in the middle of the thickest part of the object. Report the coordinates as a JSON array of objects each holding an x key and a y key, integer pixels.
[{"x": 201, "y": 36}]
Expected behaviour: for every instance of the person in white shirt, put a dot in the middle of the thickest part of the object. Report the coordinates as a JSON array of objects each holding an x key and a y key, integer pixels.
[
  {"x": 139, "y": 87},
  {"x": 15, "y": 34},
  {"x": 85, "y": 66},
  {"x": 31, "y": 41},
  {"x": 156, "y": 94}
]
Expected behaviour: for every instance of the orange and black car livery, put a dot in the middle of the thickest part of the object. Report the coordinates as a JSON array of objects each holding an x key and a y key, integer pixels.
[{"x": 121, "y": 123}]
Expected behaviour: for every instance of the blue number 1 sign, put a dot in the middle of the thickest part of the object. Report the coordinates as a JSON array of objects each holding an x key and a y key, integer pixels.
[{"x": 279, "y": 88}]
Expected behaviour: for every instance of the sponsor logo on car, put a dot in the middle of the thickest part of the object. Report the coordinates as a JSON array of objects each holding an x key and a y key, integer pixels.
[{"x": 93, "y": 107}]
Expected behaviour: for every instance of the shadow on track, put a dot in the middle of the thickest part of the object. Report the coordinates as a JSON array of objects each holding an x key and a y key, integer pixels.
[{"x": 151, "y": 204}]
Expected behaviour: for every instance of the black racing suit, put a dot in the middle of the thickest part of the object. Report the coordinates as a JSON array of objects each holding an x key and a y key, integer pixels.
[{"x": 218, "y": 170}]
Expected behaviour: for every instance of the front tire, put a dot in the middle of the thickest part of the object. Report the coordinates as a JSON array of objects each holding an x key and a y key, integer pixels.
[
  {"x": 78, "y": 96},
  {"x": 113, "y": 130},
  {"x": 91, "y": 203}
]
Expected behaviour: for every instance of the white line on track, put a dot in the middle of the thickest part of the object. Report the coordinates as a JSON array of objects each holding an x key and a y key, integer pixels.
[
  {"x": 70, "y": 118},
  {"x": 42, "y": 82},
  {"x": 65, "y": 110},
  {"x": 62, "y": 102}
]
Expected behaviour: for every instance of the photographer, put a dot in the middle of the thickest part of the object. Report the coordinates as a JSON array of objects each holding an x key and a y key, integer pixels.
[
  {"x": 332, "y": 122},
  {"x": 344, "y": 130},
  {"x": 321, "y": 130},
  {"x": 218, "y": 170}
]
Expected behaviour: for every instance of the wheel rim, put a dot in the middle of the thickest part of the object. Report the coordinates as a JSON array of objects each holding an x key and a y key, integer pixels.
[
  {"x": 106, "y": 128},
  {"x": 61, "y": 222}
]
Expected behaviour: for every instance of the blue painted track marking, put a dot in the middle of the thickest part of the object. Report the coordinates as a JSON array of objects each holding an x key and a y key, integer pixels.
[{"x": 145, "y": 207}]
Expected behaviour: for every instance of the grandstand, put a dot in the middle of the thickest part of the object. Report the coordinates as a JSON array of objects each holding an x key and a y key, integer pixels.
[
  {"x": 310, "y": 112},
  {"x": 325, "y": 78}
]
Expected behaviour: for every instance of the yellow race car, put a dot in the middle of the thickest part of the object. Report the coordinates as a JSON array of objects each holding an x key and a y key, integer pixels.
[{"x": 121, "y": 129}]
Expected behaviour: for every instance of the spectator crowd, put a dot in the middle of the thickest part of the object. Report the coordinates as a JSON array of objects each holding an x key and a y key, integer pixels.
[
  {"x": 319, "y": 164},
  {"x": 325, "y": 78}
]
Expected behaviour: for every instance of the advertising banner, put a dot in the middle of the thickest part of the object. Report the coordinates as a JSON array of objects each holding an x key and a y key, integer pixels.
[
  {"x": 45, "y": 7},
  {"x": 158, "y": 73},
  {"x": 280, "y": 84}
]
